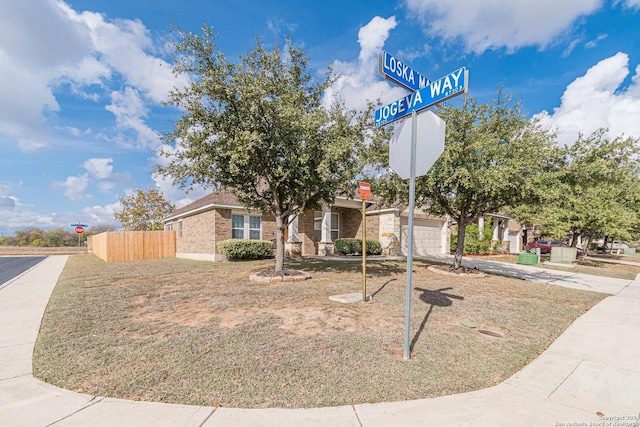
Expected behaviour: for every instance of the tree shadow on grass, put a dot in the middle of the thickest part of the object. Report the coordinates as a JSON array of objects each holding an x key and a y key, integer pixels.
[{"x": 437, "y": 298}]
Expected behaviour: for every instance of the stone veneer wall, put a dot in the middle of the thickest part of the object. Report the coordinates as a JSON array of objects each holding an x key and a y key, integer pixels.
[{"x": 389, "y": 232}]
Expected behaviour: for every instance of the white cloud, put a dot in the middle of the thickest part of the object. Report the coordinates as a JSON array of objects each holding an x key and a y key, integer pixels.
[
  {"x": 45, "y": 44},
  {"x": 359, "y": 81},
  {"x": 130, "y": 111},
  {"x": 7, "y": 202},
  {"x": 372, "y": 36},
  {"x": 74, "y": 186},
  {"x": 21, "y": 218},
  {"x": 493, "y": 24},
  {"x": 593, "y": 43},
  {"x": 100, "y": 215},
  {"x": 597, "y": 100},
  {"x": 630, "y": 4},
  {"x": 100, "y": 168}
]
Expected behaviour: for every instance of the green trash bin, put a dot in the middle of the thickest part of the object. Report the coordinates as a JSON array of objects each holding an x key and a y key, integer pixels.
[{"x": 527, "y": 259}]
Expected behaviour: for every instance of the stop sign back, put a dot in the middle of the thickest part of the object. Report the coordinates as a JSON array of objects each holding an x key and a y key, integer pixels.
[
  {"x": 429, "y": 144},
  {"x": 79, "y": 230}
]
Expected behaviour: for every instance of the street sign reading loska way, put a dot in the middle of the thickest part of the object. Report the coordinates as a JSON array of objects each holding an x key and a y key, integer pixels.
[
  {"x": 453, "y": 84},
  {"x": 404, "y": 144}
]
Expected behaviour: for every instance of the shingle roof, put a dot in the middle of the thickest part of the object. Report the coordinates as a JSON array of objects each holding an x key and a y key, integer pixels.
[{"x": 212, "y": 200}]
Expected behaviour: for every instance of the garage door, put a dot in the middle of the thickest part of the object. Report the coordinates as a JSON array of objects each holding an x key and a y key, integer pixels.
[{"x": 427, "y": 236}]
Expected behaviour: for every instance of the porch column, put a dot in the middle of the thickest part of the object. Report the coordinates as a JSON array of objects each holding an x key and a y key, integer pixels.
[
  {"x": 326, "y": 224},
  {"x": 325, "y": 245},
  {"x": 481, "y": 227},
  {"x": 293, "y": 229},
  {"x": 496, "y": 225},
  {"x": 293, "y": 246}
]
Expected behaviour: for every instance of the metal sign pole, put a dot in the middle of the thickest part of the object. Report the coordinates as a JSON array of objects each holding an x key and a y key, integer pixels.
[
  {"x": 364, "y": 253},
  {"x": 412, "y": 203}
]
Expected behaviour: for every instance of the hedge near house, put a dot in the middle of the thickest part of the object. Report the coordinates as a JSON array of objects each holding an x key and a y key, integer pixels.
[
  {"x": 354, "y": 246},
  {"x": 240, "y": 249}
]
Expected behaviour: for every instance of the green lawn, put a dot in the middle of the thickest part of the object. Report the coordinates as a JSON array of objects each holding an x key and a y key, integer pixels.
[{"x": 201, "y": 333}]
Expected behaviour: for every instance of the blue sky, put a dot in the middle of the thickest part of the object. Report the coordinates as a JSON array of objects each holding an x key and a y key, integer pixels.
[{"x": 82, "y": 81}]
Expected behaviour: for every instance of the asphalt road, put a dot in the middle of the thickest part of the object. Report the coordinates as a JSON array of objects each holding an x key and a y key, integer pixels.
[{"x": 13, "y": 266}]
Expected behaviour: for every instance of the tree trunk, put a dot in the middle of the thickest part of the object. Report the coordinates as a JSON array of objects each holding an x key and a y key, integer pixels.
[
  {"x": 457, "y": 260},
  {"x": 279, "y": 244},
  {"x": 586, "y": 247},
  {"x": 574, "y": 239}
]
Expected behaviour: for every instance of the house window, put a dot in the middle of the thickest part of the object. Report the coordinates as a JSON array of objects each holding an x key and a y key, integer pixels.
[
  {"x": 237, "y": 227},
  {"x": 335, "y": 229},
  {"x": 254, "y": 227},
  {"x": 246, "y": 226},
  {"x": 317, "y": 226},
  {"x": 179, "y": 228}
]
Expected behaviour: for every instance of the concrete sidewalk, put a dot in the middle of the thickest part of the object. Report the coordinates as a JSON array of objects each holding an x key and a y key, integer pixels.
[{"x": 593, "y": 367}]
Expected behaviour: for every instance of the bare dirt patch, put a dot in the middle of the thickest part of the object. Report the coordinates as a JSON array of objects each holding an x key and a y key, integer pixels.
[
  {"x": 296, "y": 320},
  {"x": 286, "y": 275}
]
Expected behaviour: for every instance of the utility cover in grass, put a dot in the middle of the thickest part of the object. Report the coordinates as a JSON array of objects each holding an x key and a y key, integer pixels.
[{"x": 348, "y": 298}]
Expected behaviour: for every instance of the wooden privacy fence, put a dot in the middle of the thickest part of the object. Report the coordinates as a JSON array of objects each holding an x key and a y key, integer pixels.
[{"x": 133, "y": 245}]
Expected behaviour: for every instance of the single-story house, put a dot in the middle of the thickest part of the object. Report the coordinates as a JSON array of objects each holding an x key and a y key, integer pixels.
[{"x": 220, "y": 216}]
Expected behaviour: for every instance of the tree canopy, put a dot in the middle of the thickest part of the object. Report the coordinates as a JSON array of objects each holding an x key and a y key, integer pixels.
[
  {"x": 258, "y": 127},
  {"x": 491, "y": 153},
  {"x": 143, "y": 210},
  {"x": 593, "y": 191}
]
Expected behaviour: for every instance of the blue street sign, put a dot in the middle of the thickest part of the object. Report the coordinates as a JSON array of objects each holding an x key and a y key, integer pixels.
[
  {"x": 451, "y": 85},
  {"x": 79, "y": 225},
  {"x": 393, "y": 69}
]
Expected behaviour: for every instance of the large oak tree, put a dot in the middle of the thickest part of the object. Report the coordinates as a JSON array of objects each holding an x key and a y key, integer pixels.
[
  {"x": 593, "y": 190},
  {"x": 492, "y": 152},
  {"x": 258, "y": 127}
]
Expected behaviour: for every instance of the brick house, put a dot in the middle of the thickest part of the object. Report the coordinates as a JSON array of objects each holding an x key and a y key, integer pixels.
[{"x": 216, "y": 217}]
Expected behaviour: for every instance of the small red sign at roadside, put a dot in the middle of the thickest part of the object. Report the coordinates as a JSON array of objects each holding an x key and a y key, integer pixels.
[
  {"x": 79, "y": 230},
  {"x": 365, "y": 190}
]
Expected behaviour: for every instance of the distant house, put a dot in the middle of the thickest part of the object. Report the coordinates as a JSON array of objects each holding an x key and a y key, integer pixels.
[
  {"x": 216, "y": 217},
  {"x": 509, "y": 235},
  {"x": 507, "y": 232}
]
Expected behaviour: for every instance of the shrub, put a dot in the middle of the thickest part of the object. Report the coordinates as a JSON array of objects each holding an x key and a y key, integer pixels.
[
  {"x": 373, "y": 247},
  {"x": 239, "y": 249},
  {"x": 473, "y": 244},
  {"x": 354, "y": 246},
  {"x": 347, "y": 246}
]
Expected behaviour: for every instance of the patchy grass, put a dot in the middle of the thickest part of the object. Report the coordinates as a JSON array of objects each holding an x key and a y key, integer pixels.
[
  {"x": 193, "y": 332},
  {"x": 583, "y": 266}
]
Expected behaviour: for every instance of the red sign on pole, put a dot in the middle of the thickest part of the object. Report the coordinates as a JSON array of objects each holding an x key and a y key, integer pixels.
[
  {"x": 79, "y": 230},
  {"x": 365, "y": 191}
]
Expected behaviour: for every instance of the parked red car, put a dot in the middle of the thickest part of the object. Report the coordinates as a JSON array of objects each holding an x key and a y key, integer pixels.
[{"x": 546, "y": 245}]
